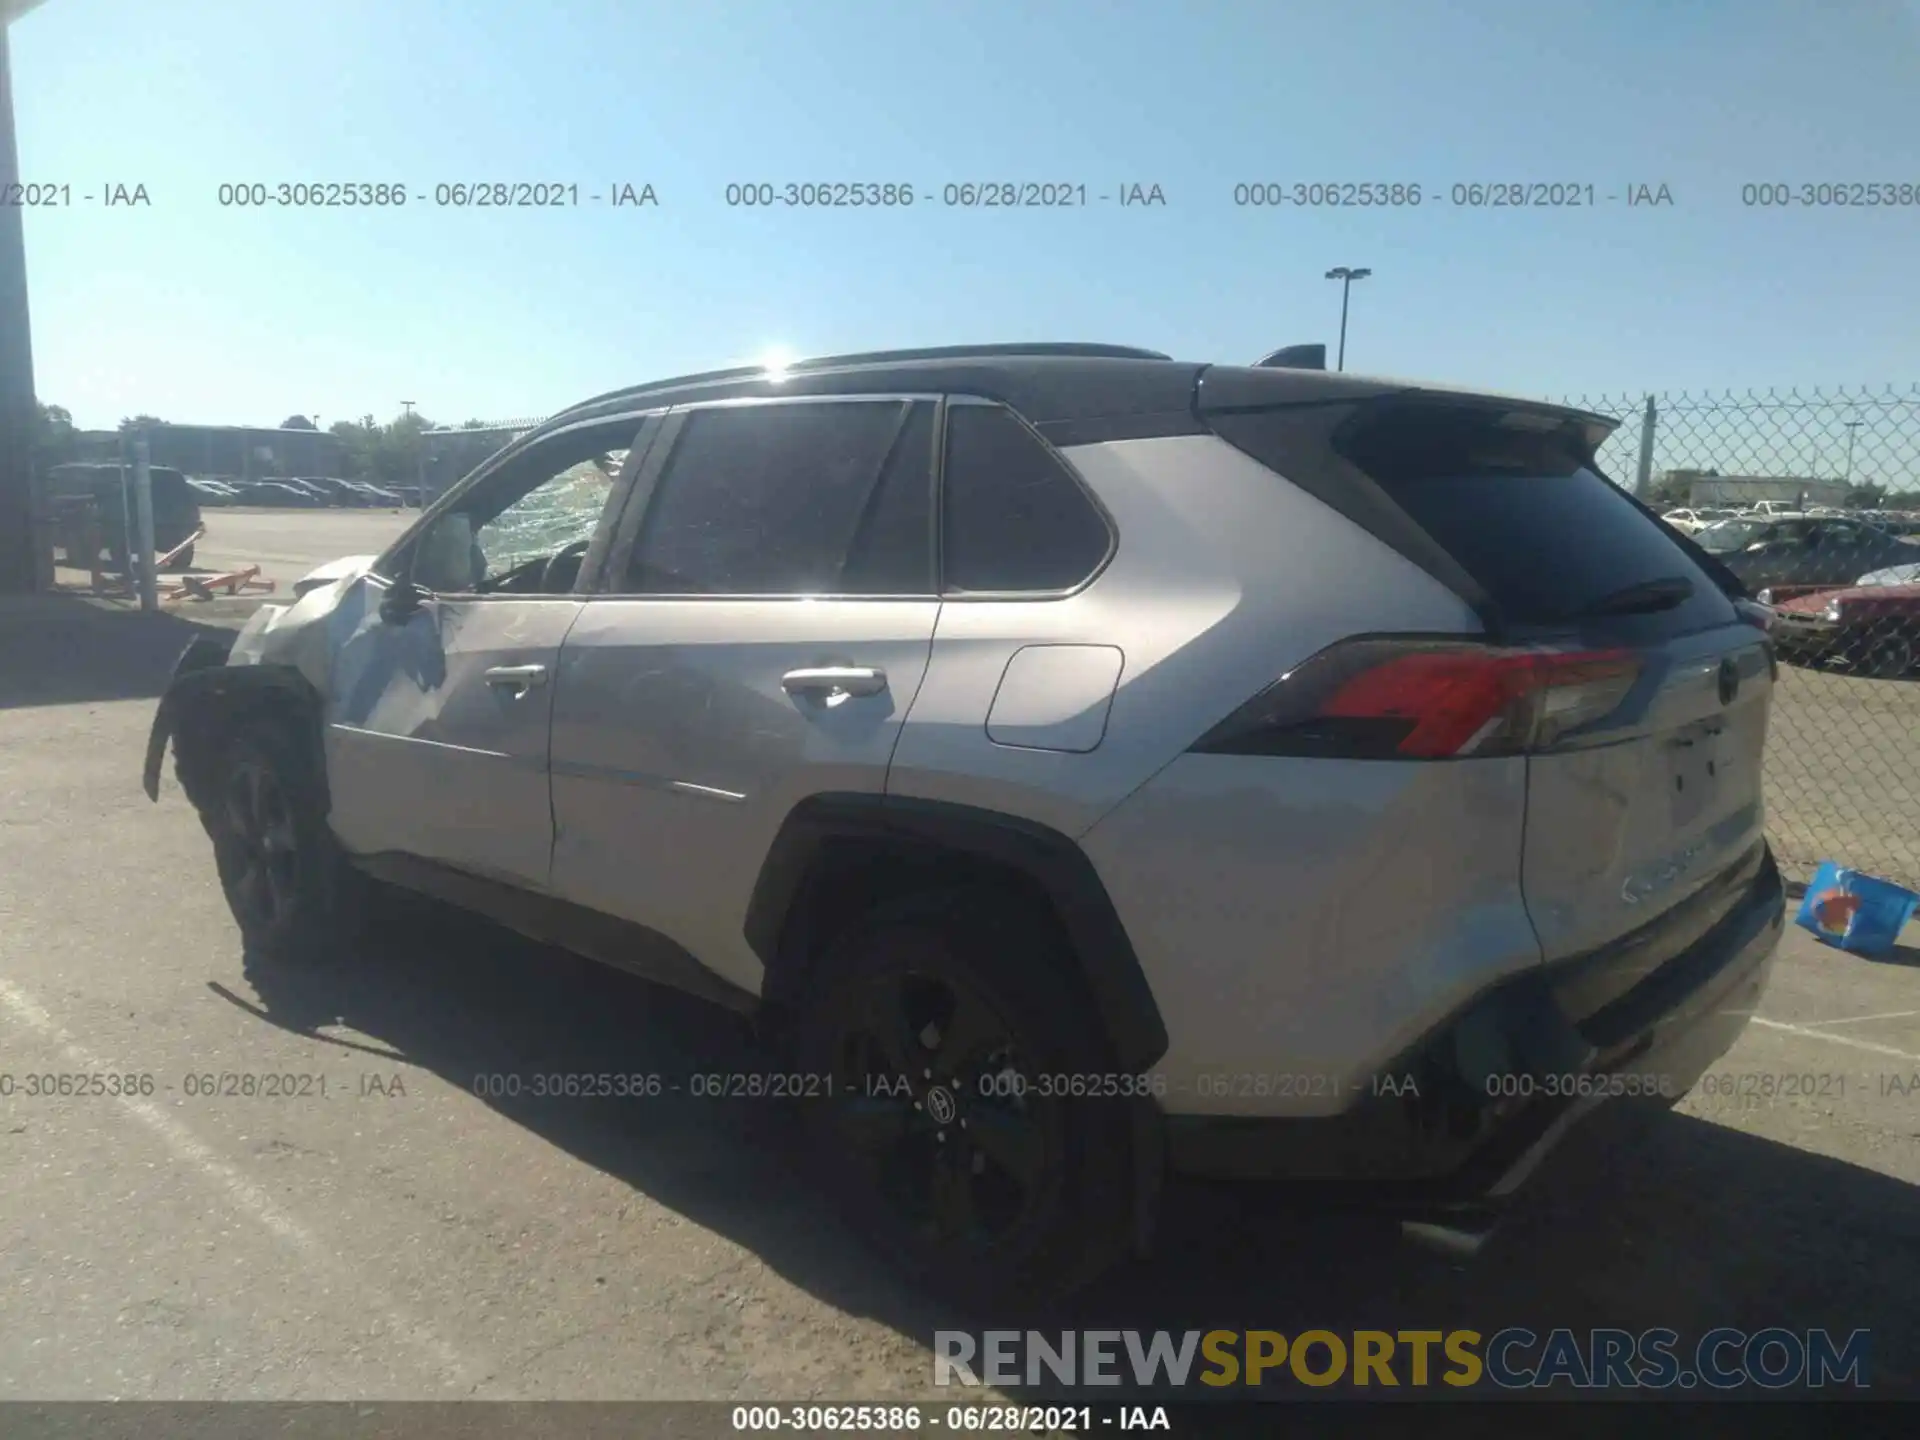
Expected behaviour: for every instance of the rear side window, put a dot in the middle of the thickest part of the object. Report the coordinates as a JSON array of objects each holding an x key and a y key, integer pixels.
[
  {"x": 793, "y": 499},
  {"x": 171, "y": 491},
  {"x": 1012, "y": 517}
]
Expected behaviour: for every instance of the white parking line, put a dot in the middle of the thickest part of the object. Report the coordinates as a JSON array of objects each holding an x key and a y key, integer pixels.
[
  {"x": 1846, "y": 1040},
  {"x": 243, "y": 1192},
  {"x": 1862, "y": 1019}
]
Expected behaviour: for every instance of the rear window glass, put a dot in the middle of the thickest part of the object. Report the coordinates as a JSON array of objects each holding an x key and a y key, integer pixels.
[
  {"x": 1549, "y": 547},
  {"x": 170, "y": 489},
  {"x": 1510, "y": 495},
  {"x": 1728, "y": 537}
]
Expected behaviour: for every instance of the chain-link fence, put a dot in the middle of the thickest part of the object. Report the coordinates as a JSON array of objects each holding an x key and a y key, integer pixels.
[{"x": 1813, "y": 500}]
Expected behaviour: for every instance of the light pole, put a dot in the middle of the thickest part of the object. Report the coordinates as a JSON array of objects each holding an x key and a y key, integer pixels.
[
  {"x": 24, "y": 553},
  {"x": 1346, "y": 275},
  {"x": 407, "y": 405}
]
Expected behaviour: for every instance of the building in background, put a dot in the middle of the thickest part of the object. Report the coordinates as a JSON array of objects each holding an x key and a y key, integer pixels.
[
  {"x": 1744, "y": 490},
  {"x": 240, "y": 452},
  {"x": 448, "y": 455}
]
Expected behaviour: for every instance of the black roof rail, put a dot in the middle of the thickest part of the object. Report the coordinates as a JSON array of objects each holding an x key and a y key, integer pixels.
[{"x": 1018, "y": 350}]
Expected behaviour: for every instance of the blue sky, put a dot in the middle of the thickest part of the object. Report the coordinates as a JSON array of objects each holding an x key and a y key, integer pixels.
[{"x": 196, "y": 312}]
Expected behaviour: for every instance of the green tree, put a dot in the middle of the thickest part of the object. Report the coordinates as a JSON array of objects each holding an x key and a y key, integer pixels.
[
  {"x": 388, "y": 454},
  {"x": 141, "y": 422},
  {"x": 1866, "y": 496},
  {"x": 54, "y": 439},
  {"x": 298, "y": 422}
]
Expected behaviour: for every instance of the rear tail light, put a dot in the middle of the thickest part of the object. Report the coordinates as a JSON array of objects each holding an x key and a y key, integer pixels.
[{"x": 1385, "y": 699}]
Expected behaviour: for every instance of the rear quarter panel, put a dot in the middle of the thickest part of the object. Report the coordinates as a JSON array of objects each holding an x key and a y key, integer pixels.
[{"x": 1224, "y": 576}]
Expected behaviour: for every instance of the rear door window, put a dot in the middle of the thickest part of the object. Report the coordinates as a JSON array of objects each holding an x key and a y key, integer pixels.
[{"x": 822, "y": 498}]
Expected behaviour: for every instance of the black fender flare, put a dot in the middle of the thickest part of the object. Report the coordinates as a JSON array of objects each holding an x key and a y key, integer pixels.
[
  {"x": 1055, "y": 863},
  {"x": 205, "y": 689}
]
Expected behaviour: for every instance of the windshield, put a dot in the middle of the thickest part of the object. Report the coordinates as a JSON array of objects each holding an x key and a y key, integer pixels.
[{"x": 1728, "y": 536}]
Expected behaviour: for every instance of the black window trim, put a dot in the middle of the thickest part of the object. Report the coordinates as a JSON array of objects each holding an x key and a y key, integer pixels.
[
  {"x": 948, "y": 595},
  {"x": 396, "y": 562},
  {"x": 640, "y": 500}
]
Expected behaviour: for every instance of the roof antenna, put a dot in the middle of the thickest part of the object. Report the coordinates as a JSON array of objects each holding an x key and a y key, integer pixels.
[{"x": 1295, "y": 357}]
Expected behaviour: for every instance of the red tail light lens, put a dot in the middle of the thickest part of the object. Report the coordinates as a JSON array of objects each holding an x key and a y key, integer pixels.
[{"x": 1424, "y": 700}]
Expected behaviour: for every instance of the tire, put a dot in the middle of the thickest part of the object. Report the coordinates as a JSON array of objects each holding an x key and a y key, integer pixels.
[
  {"x": 1024, "y": 1219},
  {"x": 286, "y": 881}
]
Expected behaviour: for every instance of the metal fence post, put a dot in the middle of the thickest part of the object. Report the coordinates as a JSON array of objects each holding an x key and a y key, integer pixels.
[
  {"x": 1643, "y": 481},
  {"x": 143, "y": 522}
]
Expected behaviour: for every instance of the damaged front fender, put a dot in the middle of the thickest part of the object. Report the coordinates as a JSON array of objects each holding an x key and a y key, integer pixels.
[
  {"x": 207, "y": 694},
  {"x": 277, "y": 664}
]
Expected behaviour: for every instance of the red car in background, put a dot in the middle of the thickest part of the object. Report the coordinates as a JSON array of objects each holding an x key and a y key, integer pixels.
[{"x": 1867, "y": 629}]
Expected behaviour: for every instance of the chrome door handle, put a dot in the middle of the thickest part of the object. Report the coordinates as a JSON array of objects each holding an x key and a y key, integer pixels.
[
  {"x": 831, "y": 679},
  {"x": 519, "y": 678}
]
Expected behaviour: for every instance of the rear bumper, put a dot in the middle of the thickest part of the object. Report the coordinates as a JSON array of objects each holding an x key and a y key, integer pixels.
[{"x": 1459, "y": 1123}]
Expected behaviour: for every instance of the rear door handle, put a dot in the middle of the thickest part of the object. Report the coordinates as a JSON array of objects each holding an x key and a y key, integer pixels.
[
  {"x": 519, "y": 678},
  {"x": 835, "y": 679}
]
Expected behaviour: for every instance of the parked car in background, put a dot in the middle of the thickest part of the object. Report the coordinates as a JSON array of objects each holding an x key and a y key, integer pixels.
[
  {"x": 1769, "y": 553},
  {"x": 1039, "y": 741},
  {"x": 1685, "y": 520},
  {"x": 213, "y": 492},
  {"x": 375, "y": 495},
  {"x": 277, "y": 493},
  {"x": 88, "y": 502},
  {"x": 1868, "y": 629},
  {"x": 333, "y": 491},
  {"x": 1908, "y": 574}
]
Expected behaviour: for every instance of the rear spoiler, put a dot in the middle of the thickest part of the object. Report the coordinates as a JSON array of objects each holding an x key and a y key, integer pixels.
[{"x": 1295, "y": 357}]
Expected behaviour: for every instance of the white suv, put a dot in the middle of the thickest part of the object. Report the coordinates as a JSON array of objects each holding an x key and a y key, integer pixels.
[{"x": 1085, "y": 763}]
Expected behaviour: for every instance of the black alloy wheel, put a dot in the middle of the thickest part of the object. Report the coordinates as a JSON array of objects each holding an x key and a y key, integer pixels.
[
  {"x": 264, "y": 845},
  {"x": 929, "y": 1097},
  {"x": 949, "y": 1032}
]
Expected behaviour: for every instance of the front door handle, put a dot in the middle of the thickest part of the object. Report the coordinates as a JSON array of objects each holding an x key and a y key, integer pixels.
[
  {"x": 834, "y": 679},
  {"x": 517, "y": 678}
]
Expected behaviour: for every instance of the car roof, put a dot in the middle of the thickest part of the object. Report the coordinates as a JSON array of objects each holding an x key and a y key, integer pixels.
[{"x": 1073, "y": 393}]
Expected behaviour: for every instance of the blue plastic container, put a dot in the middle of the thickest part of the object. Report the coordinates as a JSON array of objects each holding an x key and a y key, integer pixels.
[{"x": 1855, "y": 912}]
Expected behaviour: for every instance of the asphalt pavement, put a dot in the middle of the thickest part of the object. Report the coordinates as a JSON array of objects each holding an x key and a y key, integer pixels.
[
  {"x": 286, "y": 544},
  {"x": 382, "y": 1228}
]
